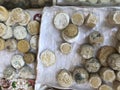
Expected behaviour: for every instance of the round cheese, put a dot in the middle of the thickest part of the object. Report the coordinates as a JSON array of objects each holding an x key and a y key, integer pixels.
[
  {"x": 20, "y": 32},
  {"x": 61, "y": 20},
  {"x": 87, "y": 51},
  {"x": 34, "y": 42},
  {"x": 103, "y": 54},
  {"x": 29, "y": 58},
  {"x": 95, "y": 81},
  {"x": 80, "y": 75},
  {"x": 23, "y": 46},
  {"x": 96, "y": 38},
  {"x": 33, "y": 27},
  {"x": 92, "y": 65},
  {"x": 107, "y": 75},
  {"x": 48, "y": 58},
  {"x": 64, "y": 78},
  {"x": 26, "y": 19},
  {"x": 17, "y": 61},
  {"x": 77, "y": 19},
  {"x": 8, "y": 34},
  {"x": 91, "y": 20},
  {"x": 114, "y": 61},
  {"x": 65, "y": 48},
  {"x": 11, "y": 45}
]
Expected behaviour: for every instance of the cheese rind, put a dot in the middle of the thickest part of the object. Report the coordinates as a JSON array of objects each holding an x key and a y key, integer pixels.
[
  {"x": 34, "y": 42},
  {"x": 2, "y": 44},
  {"x": 65, "y": 48},
  {"x": 105, "y": 87},
  {"x": 3, "y": 29}
]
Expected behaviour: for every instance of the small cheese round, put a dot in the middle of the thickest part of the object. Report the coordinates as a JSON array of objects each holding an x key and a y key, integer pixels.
[
  {"x": 93, "y": 1},
  {"x": 103, "y": 54},
  {"x": 23, "y": 46},
  {"x": 26, "y": 72},
  {"x": 118, "y": 75},
  {"x": 96, "y": 38},
  {"x": 77, "y": 19},
  {"x": 80, "y": 75},
  {"x": 8, "y": 34},
  {"x": 71, "y": 31},
  {"x": 105, "y": 87},
  {"x": 91, "y": 20},
  {"x": 61, "y": 20},
  {"x": 105, "y": 1},
  {"x": 20, "y": 32},
  {"x": 64, "y": 78},
  {"x": 11, "y": 45},
  {"x": 113, "y": 18},
  {"x": 92, "y": 65},
  {"x": 26, "y": 19},
  {"x": 87, "y": 51},
  {"x": 34, "y": 42},
  {"x": 3, "y": 29},
  {"x": 9, "y": 72},
  {"x": 48, "y": 58},
  {"x": 2, "y": 44},
  {"x": 108, "y": 75},
  {"x": 17, "y": 15},
  {"x": 29, "y": 58},
  {"x": 118, "y": 35},
  {"x": 114, "y": 61},
  {"x": 95, "y": 81},
  {"x": 33, "y": 27},
  {"x": 17, "y": 61},
  {"x": 4, "y": 14},
  {"x": 65, "y": 48}
]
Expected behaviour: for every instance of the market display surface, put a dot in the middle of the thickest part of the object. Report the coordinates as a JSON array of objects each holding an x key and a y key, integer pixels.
[
  {"x": 78, "y": 48},
  {"x": 18, "y": 46}
]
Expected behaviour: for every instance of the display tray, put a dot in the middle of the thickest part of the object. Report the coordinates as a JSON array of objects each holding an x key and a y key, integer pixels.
[
  {"x": 5, "y": 56},
  {"x": 50, "y": 38}
]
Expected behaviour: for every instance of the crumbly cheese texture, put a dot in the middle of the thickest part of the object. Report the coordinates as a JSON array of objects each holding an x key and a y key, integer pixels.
[
  {"x": 48, "y": 58},
  {"x": 95, "y": 81},
  {"x": 33, "y": 27},
  {"x": 108, "y": 75},
  {"x": 34, "y": 42},
  {"x": 3, "y": 29},
  {"x": 103, "y": 54},
  {"x": 114, "y": 61},
  {"x": 65, "y": 48},
  {"x": 17, "y": 61},
  {"x": 11, "y": 45},
  {"x": 92, "y": 65},
  {"x": 87, "y": 51},
  {"x": 2, "y": 44},
  {"x": 77, "y": 19},
  {"x": 4, "y": 14},
  {"x": 9, "y": 72},
  {"x": 61, "y": 20},
  {"x": 23, "y": 46},
  {"x": 96, "y": 38},
  {"x": 8, "y": 34},
  {"x": 91, "y": 20},
  {"x": 105, "y": 87},
  {"x": 64, "y": 78},
  {"x": 80, "y": 75}
]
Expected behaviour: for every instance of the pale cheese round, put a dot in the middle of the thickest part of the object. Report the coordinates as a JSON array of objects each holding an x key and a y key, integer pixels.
[
  {"x": 3, "y": 29},
  {"x": 61, "y": 20}
]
